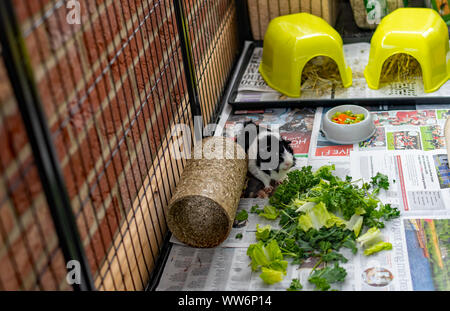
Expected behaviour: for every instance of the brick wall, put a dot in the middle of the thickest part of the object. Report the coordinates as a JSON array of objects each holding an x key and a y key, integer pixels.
[
  {"x": 111, "y": 88},
  {"x": 29, "y": 254}
]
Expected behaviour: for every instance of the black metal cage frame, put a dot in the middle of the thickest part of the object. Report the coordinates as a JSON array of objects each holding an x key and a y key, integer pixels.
[{"x": 22, "y": 77}]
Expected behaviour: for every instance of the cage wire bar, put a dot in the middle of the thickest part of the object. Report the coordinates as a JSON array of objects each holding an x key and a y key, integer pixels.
[
  {"x": 25, "y": 223},
  {"x": 28, "y": 101},
  {"x": 95, "y": 104}
]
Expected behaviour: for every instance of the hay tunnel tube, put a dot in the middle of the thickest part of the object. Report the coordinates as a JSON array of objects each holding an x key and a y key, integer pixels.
[{"x": 203, "y": 207}]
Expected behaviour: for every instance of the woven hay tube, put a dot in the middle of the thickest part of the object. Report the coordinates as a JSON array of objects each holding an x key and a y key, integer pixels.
[{"x": 203, "y": 207}]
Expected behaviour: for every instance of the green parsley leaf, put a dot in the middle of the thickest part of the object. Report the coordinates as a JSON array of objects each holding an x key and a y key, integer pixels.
[
  {"x": 242, "y": 215},
  {"x": 295, "y": 285},
  {"x": 323, "y": 278}
]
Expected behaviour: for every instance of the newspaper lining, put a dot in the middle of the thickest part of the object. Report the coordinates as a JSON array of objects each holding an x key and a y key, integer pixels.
[
  {"x": 408, "y": 147},
  {"x": 253, "y": 88}
]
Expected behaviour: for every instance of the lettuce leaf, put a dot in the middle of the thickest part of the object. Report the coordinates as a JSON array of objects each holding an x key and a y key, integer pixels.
[
  {"x": 257, "y": 254},
  {"x": 305, "y": 223},
  {"x": 378, "y": 247},
  {"x": 271, "y": 276},
  {"x": 270, "y": 212},
  {"x": 372, "y": 241},
  {"x": 371, "y": 237},
  {"x": 262, "y": 233},
  {"x": 270, "y": 259},
  {"x": 317, "y": 216},
  {"x": 355, "y": 224},
  {"x": 303, "y": 206}
]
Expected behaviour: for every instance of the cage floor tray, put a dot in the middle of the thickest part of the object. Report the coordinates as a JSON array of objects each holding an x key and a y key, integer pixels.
[{"x": 251, "y": 91}]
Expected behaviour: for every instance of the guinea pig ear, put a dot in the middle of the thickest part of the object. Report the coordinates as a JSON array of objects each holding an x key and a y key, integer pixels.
[{"x": 287, "y": 142}]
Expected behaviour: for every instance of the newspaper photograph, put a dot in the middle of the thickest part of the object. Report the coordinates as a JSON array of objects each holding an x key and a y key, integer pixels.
[
  {"x": 428, "y": 244},
  {"x": 395, "y": 130}
]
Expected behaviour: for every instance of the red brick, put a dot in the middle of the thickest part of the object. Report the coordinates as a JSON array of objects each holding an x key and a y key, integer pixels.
[
  {"x": 38, "y": 46},
  {"x": 103, "y": 31},
  {"x": 82, "y": 162},
  {"x": 60, "y": 80},
  {"x": 7, "y": 218},
  {"x": 114, "y": 118},
  {"x": 92, "y": 6},
  {"x": 61, "y": 141},
  {"x": 28, "y": 249},
  {"x": 85, "y": 219},
  {"x": 102, "y": 238},
  {"x": 144, "y": 71},
  {"x": 55, "y": 274},
  {"x": 88, "y": 100},
  {"x": 127, "y": 7},
  {"x": 27, "y": 187},
  {"x": 13, "y": 138},
  {"x": 22, "y": 263},
  {"x": 111, "y": 171},
  {"x": 23, "y": 258},
  {"x": 40, "y": 233},
  {"x": 25, "y": 9},
  {"x": 59, "y": 30},
  {"x": 8, "y": 274}
]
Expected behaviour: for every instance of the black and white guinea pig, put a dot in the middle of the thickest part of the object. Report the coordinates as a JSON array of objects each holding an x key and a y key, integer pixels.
[{"x": 280, "y": 159}]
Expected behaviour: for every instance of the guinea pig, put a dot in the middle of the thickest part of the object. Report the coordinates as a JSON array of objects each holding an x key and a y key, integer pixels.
[{"x": 270, "y": 155}]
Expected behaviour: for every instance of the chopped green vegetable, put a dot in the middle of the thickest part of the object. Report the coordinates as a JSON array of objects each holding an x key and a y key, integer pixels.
[
  {"x": 380, "y": 181},
  {"x": 271, "y": 276},
  {"x": 268, "y": 258},
  {"x": 262, "y": 234},
  {"x": 371, "y": 237},
  {"x": 270, "y": 212},
  {"x": 372, "y": 241},
  {"x": 305, "y": 222},
  {"x": 295, "y": 285},
  {"x": 387, "y": 212},
  {"x": 350, "y": 244},
  {"x": 355, "y": 224},
  {"x": 334, "y": 256},
  {"x": 322, "y": 278},
  {"x": 319, "y": 214},
  {"x": 242, "y": 215},
  {"x": 316, "y": 216},
  {"x": 255, "y": 209},
  {"x": 377, "y": 247},
  {"x": 298, "y": 181},
  {"x": 347, "y": 117}
]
